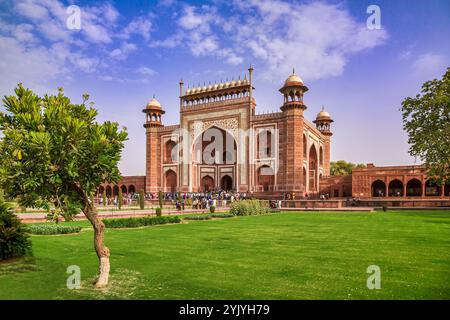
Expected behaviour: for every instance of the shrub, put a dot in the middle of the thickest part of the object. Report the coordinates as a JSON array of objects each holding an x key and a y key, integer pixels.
[
  {"x": 52, "y": 229},
  {"x": 212, "y": 209},
  {"x": 120, "y": 199},
  {"x": 140, "y": 221},
  {"x": 158, "y": 212},
  {"x": 199, "y": 217},
  {"x": 249, "y": 207},
  {"x": 14, "y": 241},
  {"x": 221, "y": 215},
  {"x": 141, "y": 199},
  {"x": 384, "y": 208}
]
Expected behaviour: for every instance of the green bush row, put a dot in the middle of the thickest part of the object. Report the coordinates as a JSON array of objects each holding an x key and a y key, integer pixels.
[
  {"x": 209, "y": 216},
  {"x": 202, "y": 217},
  {"x": 52, "y": 229},
  {"x": 140, "y": 221},
  {"x": 249, "y": 207},
  {"x": 221, "y": 215}
]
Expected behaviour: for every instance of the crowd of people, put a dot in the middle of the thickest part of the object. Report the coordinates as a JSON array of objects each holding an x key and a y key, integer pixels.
[
  {"x": 183, "y": 200},
  {"x": 200, "y": 200}
]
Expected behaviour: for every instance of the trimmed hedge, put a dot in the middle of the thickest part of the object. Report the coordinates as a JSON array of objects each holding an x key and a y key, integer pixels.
[
  {"x": 140, "y": 221},
  {"x": 202, "y": 217},
  {"x": 212, "y": 209},
  {"x": 14, "y": 241},
  {"x": 52, "y": 229},
  {"x": 249, "y": 207},
  {"x": 222, "y": 215}
]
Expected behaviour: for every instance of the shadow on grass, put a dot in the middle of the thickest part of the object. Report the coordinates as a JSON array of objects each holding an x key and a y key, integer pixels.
[{"x": 18, "y": 265}]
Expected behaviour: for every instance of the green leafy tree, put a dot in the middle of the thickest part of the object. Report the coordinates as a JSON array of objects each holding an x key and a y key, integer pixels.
[
  {"x": 54, "y": 152},
  {"x": 426, "y": 119},
  {"x": 342, "y": 167}
]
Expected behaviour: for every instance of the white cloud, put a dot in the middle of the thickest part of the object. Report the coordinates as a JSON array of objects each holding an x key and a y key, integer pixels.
[
  {"x": 32, "y": 66},
  {"x": 146, "y": 71},
  {"x": 429, "y": 65},
  {"x": 32, "y": 10},
  {"x": 122, "y": 52},
  {"x": 316, "y": 37},
  {"x": 141, "y": 26}
]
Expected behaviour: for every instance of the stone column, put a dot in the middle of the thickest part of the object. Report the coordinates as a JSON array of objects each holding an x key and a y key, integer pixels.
[
  {"x": 404, "y": 187},
  {"x": 387, "y": 188}
]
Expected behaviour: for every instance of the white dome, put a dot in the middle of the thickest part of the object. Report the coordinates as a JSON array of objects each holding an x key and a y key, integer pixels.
[
  {"x": 293, "y": 78},
  {"x": 154, "y": 103}
]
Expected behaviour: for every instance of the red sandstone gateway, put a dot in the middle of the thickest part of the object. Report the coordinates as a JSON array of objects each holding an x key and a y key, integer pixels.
[{"x": 267, "y": 155}]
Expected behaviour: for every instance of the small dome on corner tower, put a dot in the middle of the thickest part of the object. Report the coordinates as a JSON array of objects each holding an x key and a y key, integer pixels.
[
  {"x": 293, "y": 79},
  {"x": 323, "y": 115},
  {"x": 153, "y": 103}
]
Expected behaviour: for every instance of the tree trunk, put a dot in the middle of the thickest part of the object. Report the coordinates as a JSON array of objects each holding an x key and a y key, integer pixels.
[{"x": 102, "y": 251}]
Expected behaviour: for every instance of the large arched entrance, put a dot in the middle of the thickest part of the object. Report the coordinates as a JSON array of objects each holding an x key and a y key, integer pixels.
[
  {"x": 214, "y": 152},
  {"x": 131, "y": 189},
  {"x": 207, "y": 184},
  {"x": 108, "y": 191},
  {"x": 266, "y": 177},
  {"x": 414, "y": 188},
  {"x": 226, "y": 183},
  {"x": 378, "y": 188},
  {"x": 171, "y": 181},
  {"x": 395, "y": 188},
  {"x": 313, "y": 167}
]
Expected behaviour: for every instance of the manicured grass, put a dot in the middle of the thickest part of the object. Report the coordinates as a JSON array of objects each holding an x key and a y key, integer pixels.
[{"x": 278, "y": 256}]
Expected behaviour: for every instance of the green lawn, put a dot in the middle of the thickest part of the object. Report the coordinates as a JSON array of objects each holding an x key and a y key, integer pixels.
[{"x": 278, "y": 256}]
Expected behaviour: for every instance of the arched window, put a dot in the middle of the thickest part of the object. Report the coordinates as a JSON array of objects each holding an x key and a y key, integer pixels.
[
  {"x": 116, "y": 190},
  {"x": 226, "y": 183},
  {"x": 170, "y": 152},
  {"x": 124, "y": 188},
  {"x": 313, "y": 167},
  {"x": 171, "y": 181},
  {"x": 266, "y": 177},
  {"x": 131, "y": 189},
  {"x": 264, "y": 144},
  {"x": 321, "y": 156},
  {"x": 207, "y": 183},
  {"x": 305, "y": 147},
  {"x": 304, "y": 177}
]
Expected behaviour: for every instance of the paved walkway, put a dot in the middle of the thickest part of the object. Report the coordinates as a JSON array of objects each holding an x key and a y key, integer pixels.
[{"x": 40, "y": 217}]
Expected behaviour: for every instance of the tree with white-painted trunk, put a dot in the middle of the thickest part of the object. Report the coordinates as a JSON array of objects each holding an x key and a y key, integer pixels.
[{"x": 54, "y": 152}]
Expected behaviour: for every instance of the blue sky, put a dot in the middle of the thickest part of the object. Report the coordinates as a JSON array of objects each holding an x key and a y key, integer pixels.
[{"x": 126, "y": 51}]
